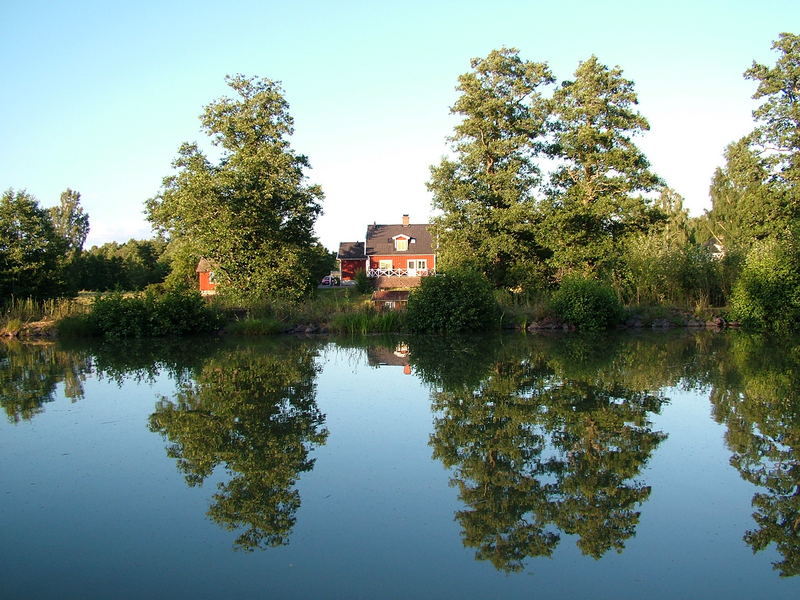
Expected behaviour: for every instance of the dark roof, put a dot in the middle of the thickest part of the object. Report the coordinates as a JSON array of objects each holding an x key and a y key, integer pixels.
[
  {"x": 351, "y": 250},
  {"x": 204, "y": 266},
  {"x": 390, "y": 296},
  {"x": 379, "y": 239}
]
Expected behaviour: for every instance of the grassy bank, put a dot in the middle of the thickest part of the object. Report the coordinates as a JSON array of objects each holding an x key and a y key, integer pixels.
[{"x": 337, "y": 310}]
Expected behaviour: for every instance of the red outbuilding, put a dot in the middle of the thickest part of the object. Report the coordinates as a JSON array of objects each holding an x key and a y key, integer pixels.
[{"x": 207, "y": 277}]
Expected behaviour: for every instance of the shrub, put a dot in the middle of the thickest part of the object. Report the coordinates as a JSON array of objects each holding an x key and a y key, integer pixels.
[
  {"x": 588, "y": 304},
  {"x": 363, "y": 283},
  {"x": 150, "y": 315},
  {"x": 767, "y": 293},
  {"x": 457, "y": 301}
]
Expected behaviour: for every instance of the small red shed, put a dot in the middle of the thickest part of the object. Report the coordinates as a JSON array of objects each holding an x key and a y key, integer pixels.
[{"x": 207, "y": 277}]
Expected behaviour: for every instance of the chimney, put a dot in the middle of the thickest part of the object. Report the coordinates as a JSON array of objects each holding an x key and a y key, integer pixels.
[{"x": 405, "y": 220}]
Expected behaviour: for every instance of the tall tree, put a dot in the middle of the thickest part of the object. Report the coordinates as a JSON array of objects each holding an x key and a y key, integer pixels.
[
  {"x": 485, "y": 192},
  {"x": 30, "y": 249},
  {"x": 747, "y": 203},
  {"x": 596, "y": 191},
  {"x": 778, "y": 116},
  {"x": 70, "y": 222},
  {"x": 252, "y": 212}
]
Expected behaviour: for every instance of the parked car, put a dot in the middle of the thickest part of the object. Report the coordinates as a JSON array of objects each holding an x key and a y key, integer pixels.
[{"x": 331, "y": 280}]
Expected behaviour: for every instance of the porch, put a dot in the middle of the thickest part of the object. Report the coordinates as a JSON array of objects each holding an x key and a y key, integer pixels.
[{"x": 400, "y": 272}]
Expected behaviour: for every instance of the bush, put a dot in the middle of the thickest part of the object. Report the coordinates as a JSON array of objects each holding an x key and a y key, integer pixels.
[
  {"x": 150, "y": 315},
  {"x": 457, "y": 301},
  {"x": 767, "y": 293},
  {"x": 363, "y": 283},
  {"x": 588, "y": 304}
]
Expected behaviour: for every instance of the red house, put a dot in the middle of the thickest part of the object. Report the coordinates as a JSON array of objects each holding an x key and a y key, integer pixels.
[
  {"x": 351, "y": 259},
  {"x": 397, "y": 255}
]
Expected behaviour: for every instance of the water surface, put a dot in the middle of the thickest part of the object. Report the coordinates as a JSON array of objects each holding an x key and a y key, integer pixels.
[{"x": 659, "y": 466}]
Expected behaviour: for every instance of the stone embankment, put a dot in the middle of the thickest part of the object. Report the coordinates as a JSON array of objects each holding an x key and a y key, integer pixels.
[
  {"x": 36, "y": 330},
  {"x": 677, "y": 320}
]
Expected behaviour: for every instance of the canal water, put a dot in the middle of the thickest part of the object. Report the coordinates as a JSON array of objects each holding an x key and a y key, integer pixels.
[{"x": 663, "y": 465}]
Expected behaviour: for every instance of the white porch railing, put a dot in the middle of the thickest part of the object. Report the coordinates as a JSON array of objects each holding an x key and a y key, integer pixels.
[{"x": 399, "y": 272}]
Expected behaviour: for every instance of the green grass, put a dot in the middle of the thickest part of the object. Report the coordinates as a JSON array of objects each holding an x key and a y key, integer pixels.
[
  {"x": 368, "y": 321},
  {"x": 252, "y": 326},
  {"x": 16, "y": 313}
]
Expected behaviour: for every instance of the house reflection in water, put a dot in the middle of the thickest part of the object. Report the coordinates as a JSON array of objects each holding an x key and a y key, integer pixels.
[{"x": 381, "y": 356}]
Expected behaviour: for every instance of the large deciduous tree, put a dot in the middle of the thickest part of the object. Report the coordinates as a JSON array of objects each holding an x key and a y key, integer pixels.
[
  {"x": 251, "y": 212},
  {"x": 596, "y": 191},
  {"x": 489, "y": 219},
  {"x": 30, "y": 249}
]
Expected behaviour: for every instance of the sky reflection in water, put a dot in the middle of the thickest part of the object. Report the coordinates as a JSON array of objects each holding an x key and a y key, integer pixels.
[{"x": 663, "y": 465}]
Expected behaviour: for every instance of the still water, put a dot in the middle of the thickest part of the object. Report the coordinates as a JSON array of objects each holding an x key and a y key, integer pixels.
[{"x": 636, "y": 466}]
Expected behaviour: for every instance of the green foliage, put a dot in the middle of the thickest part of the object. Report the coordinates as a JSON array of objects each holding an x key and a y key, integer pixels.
[
  {"x": 767, "y": 294},
  {"x": 174, "y": 313},
  {"x": 70, "y": 222},
  {"x": 589, "y": 304},
  {"x": 678, "y": 274},
  {"x": 489, "y": 220},
  {"x": 778, "y": 115},
  {"x": 263, "y": 326},
  {"x": 756, "y": 195},
  {"x": 747, "y": 202},
  {"x": 251, "y": 213},
  {"x": 31, "y": 252},
  {"x": 363, "y": 283},
  {"x": 460, "y": 300},
  {"x": 595, "y": 198},
  {"x": 368, "y": 321},
  {"x": 498, "y": 217},
  {"x": 130, "y": 266}
]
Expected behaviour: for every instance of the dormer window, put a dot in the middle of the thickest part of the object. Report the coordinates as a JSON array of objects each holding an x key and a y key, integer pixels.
[{"x": 401, "y": 243}]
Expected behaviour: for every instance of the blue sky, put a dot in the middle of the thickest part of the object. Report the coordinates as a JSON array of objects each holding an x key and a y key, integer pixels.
[{"x": 98, "y": 96}]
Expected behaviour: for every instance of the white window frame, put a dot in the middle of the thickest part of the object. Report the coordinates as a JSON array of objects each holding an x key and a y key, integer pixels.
[{"x": 398, "y": 239}]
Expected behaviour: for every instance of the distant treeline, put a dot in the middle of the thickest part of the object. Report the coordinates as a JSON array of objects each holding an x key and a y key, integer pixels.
[
  {"x": 42, "y": 255},
  {"x": 130, "y": 266}
]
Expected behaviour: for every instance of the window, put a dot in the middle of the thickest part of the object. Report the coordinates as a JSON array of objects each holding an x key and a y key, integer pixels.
[
  {"x": 401, "y": 244},
  {"x": 419, "y": 265},
  {"x": 385, "y": 265},
  {"x": 212, "y": 277}
]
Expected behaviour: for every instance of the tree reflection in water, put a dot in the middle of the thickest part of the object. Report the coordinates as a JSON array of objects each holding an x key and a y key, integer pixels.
[
  {"x": 756, "y": 393},
  {"x": 544, "y": 436},
  {"x": 29, "y": 374},
  {"x": 538, "y": 449},
  {"x": 255, "y": 412}
]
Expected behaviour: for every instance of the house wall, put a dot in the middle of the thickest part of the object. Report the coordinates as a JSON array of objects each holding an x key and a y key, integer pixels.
[
  {"x": 401, "y": 262},
  {"x": 350, "y": 267},
  {"x": 205, "y": 284}
]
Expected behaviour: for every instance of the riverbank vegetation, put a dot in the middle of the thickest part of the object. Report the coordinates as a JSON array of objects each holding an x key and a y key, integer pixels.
[{"x": 546, "y": 202}]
